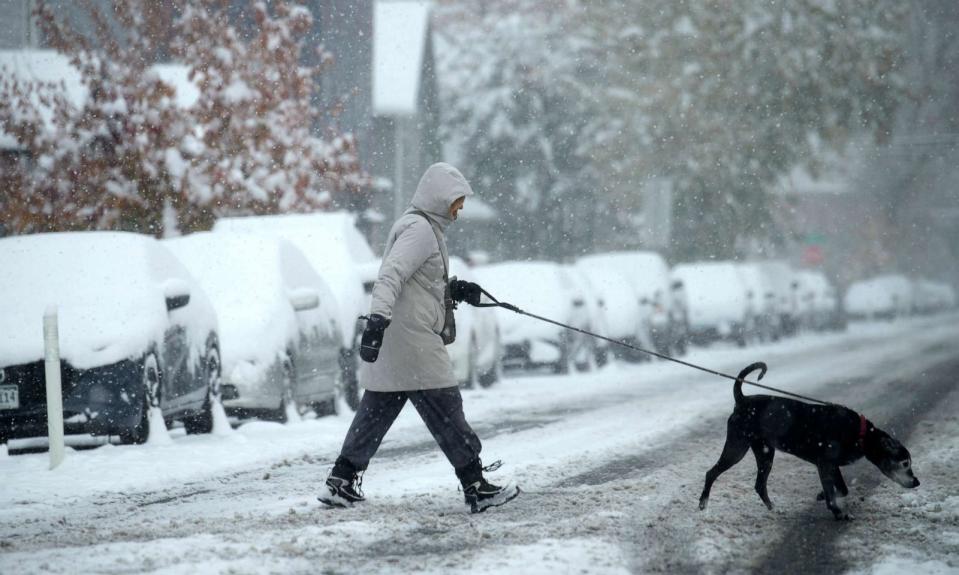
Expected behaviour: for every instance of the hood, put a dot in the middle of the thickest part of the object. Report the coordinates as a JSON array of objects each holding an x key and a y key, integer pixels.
[{"x": 440, "y": 186}]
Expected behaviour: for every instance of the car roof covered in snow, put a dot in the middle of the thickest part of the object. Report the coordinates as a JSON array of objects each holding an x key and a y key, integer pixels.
[
  {"x": 536, "y": 287},
  {"x": 716, "y": 285},
  {"x": 332, "y": 244},
  {"x": 621, "y": 302},
  {"x": 646, "y": 271},
  {"x": 250, "y": 279},
  {"x": 109, "y": 289}
]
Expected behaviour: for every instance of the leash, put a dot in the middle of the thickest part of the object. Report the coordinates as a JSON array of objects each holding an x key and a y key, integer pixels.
[{"x": 513, "y": 308}]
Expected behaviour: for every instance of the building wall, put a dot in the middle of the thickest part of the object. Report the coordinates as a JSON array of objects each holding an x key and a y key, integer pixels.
[
  {"x": 345, "y": 29},
  {"x": 15, "y": 29}
]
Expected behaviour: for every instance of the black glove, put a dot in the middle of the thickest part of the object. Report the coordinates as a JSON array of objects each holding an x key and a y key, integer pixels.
[
  {"x": 462, "y": 290},
  {"x": 373, "y": 337}
]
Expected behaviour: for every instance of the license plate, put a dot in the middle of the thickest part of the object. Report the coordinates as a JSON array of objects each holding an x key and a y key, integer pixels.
[{"x": 9, "y": 397}]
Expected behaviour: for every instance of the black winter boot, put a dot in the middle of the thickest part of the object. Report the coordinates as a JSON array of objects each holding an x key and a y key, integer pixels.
[
  {"x": 344, "y": 485},
  {"x": 480, "y": 494}
]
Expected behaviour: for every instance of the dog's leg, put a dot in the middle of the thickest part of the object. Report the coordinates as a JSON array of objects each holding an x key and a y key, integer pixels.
[
  {"x": 840, "y": 483},
  {"x": 733, "y": 452},
  {"x": 764, "y": 463},
  {"x": 827, "y": 477},
  {"x": 840, "y": 486}
]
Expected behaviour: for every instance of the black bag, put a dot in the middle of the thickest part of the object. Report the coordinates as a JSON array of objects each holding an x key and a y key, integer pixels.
[{"x": 448, "y": 334}]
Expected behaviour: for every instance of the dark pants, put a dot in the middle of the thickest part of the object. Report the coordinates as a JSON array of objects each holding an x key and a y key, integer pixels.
[{"x": 441, "y": 411}]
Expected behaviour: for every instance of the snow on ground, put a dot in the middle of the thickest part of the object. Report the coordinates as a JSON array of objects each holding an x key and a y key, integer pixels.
[
  {"x": 677, "y": 400},
  {"x": 244, "y": 501},
  {"x": 919, "y": 549}
]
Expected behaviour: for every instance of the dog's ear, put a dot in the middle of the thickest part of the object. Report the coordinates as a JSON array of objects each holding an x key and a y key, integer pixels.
[{"x": 889, "y": 445}]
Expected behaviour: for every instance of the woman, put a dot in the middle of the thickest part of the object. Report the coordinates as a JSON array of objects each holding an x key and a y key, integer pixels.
[{"x": 410, "y": 321}]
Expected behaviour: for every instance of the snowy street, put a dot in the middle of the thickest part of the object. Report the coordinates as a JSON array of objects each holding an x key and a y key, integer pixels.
[
  {"x": 546, "y": 236},
  {"x": 611, "y": 465}
]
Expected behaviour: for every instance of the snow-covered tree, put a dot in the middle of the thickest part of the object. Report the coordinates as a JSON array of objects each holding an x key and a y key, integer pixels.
[
  {"x": 737, "y": 93},
  {"x": 914, "y": 179},
  {"x": 129, "y": 157},
  {"x": 718, "y": 99},
  {"x": 256, "y": 150},
  {"x": 515, "y": 109},
  {"x": 98, "y": 164}
]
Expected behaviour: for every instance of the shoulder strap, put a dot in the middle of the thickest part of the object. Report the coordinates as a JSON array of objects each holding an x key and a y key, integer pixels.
[
  {"x": 448, "y": 333},
  {"x": 439, "y": 244}
]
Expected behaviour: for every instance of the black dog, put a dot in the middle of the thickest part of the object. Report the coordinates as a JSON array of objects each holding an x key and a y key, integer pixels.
[{"x": 825, "y": 435}]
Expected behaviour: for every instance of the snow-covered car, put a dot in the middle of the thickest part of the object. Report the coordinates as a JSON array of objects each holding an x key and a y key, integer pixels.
[
  {"x": 335, "y": 248},
  {"x": 760, "y": 303},
  {"x": 648, "y": 274},
  {"x": 782, "y": 280},
  {"x": 539, "y": 288},
  {"x": 135, "y": 332},
  {"x": 817, "y": 300},
  {"x": 279, "y": 341},
  {"x": 932, "y": 297},
  {"x": 624, "y": 318},
  {"x": 882, "y": 297},
  {"x": 596, "y": 312},
  {"x": 476, "y": 352},
  {"x": 716, "y": 301}
]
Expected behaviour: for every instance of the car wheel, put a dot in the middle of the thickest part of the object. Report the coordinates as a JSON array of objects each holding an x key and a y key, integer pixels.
[
  {"x": 150, "y": 387},
  {"x": 495, "y": 372},
  {"x": 324, "y": 408},
  {"x": 562, "y": 366},
  {"x": 350, "y": 370},
  {"x": 585, "y": 356},
  {"x": 601, "y": 355},
  {"x": 492, "y": 375},
  {"x": 741, "y": 336},
  {"x": 202, "y": 422},
  {"x": 287, "y": 400},
  {"x": 584, "y": 365}
]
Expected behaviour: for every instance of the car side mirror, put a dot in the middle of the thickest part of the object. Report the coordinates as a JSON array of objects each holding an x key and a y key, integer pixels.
[
  {"x": 177, "y": 293},
  {"x": 303, "y": 299}
]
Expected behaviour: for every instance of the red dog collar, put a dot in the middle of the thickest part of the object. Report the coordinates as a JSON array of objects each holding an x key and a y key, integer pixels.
[{"x": 862, "y": 430}]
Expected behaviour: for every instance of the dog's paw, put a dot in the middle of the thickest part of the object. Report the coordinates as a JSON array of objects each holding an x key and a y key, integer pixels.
[
  {"x": 844, "y": 516},
  {"x": 702, "y": 504}
]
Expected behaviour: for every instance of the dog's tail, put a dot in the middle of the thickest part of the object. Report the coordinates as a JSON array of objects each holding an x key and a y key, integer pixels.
[{"x": 738, "y": 386}]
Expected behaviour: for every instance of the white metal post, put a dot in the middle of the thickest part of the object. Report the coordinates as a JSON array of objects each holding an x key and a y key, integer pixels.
[{"x": 51, "y": 340}]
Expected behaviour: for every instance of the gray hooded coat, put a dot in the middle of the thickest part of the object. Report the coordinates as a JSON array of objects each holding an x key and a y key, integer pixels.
[{"x": 409, "y": 290}]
